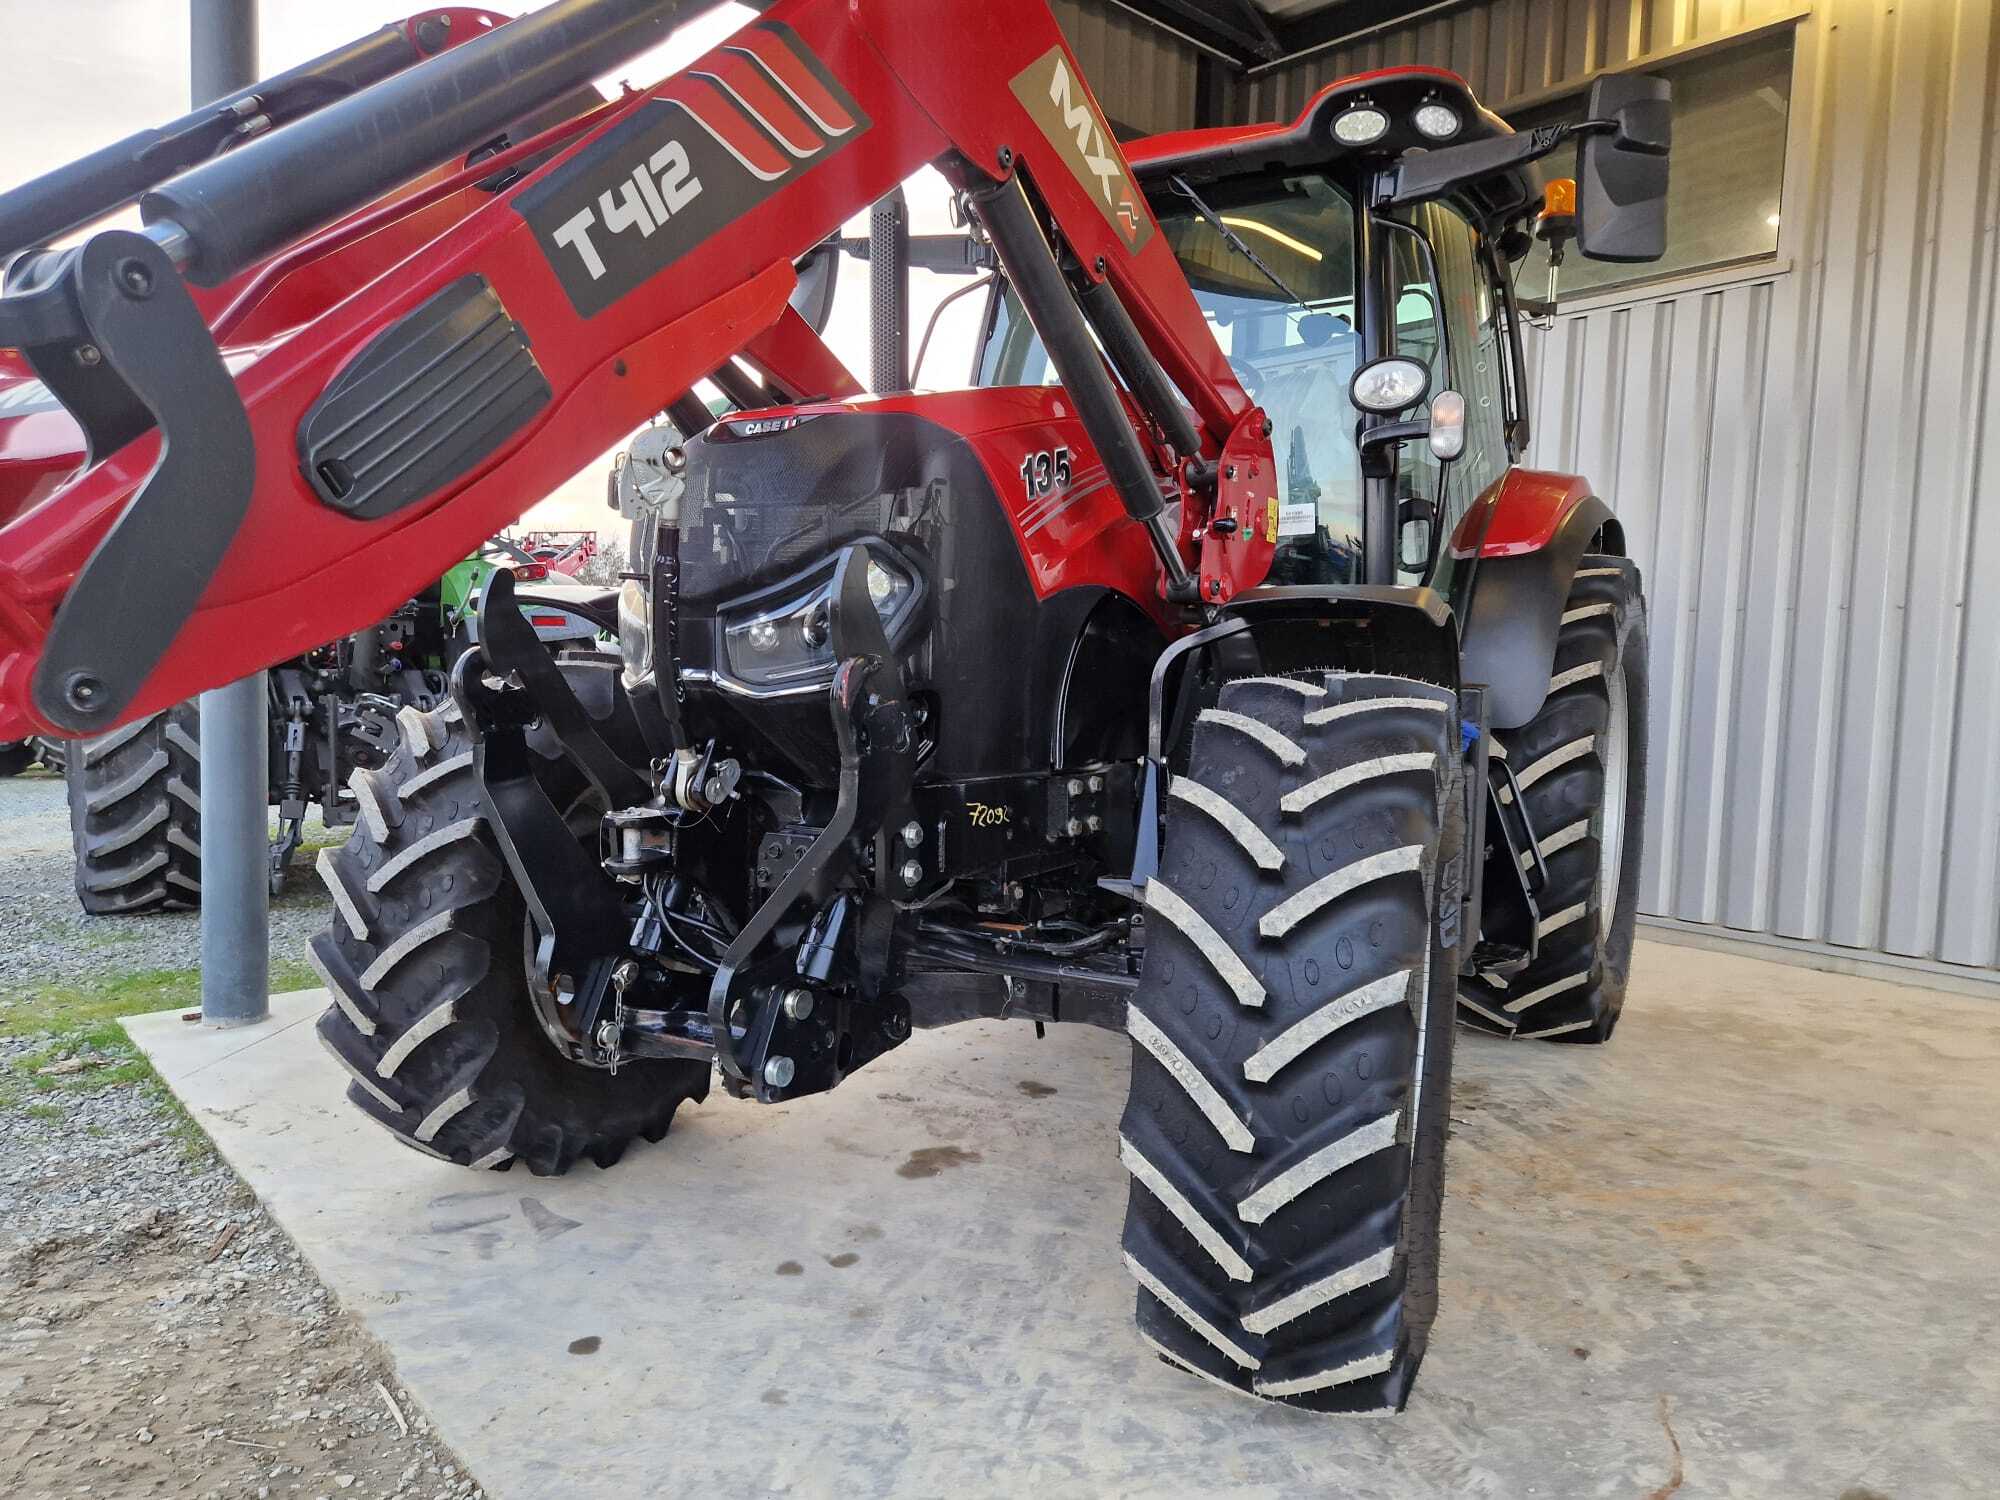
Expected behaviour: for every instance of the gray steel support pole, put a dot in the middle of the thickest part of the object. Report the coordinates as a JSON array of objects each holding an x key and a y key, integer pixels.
[{"x": 235, "y": 735}]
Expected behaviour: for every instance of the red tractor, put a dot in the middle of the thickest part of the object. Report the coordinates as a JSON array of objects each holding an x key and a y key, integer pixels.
[
  {"x": 1210, "y": 670},
  {"x": 565, "y": 552}
]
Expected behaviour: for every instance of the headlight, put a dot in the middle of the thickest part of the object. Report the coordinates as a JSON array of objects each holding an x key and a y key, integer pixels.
[
  {"x": 1360, "y": 126},
  {"x": 784, "y": 635},
  {"x": 1438, "y": 122},
  {"x": 1390, "y": 384},
  {"x": 635, "y": 632}
]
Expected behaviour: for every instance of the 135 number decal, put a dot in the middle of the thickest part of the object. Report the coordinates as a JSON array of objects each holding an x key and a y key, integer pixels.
[{"x": 1045, "y": 471}]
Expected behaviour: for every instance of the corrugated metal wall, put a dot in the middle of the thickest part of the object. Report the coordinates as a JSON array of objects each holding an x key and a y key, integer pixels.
[
  {"x": 1142, "y": 75},
  {"x": 1801, "y": 458}
]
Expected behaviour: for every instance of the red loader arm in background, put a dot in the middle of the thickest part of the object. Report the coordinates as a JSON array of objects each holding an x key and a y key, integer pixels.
[{"x": 390, "y": 434}]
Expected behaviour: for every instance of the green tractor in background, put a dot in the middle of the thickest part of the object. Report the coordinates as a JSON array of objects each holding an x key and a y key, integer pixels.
[{"x": 135, "y": 793}]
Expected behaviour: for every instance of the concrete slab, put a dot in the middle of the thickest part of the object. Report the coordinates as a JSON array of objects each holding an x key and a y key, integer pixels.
[{"x": 1748, "y": 1248}]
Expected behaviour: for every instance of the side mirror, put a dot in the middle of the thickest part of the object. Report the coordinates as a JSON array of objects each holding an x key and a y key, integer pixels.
[
  {"x": 818, "y": 271},
  {"x": 1416, "y": 518},
  {"x": 1621, "y": 173}
]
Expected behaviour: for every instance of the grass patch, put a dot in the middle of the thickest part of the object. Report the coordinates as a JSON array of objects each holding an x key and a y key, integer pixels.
[
  {"x": 81, "y": 1022},
  {"x": 193, "y": 1140},
  {"x": 55, "y": 1010},
  {"x": 108, "y": 1059},
  {"x": 59, "y": 1010},
  {"x": 316, "y": 840}
]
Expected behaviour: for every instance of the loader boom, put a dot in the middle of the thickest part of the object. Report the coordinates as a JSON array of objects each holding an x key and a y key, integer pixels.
[{"x": 426, "y": 411}]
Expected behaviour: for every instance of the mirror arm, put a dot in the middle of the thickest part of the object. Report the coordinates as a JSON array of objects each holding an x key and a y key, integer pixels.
[
  {"x": 1373, "y": 443},
  {"x": 1417, "y": 179}
]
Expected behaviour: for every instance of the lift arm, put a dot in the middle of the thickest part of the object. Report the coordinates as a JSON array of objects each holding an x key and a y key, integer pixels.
[{"x": 228, "y": 521}]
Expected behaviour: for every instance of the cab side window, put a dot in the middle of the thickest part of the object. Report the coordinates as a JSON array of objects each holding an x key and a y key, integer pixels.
[
  {"x": 1479, "y": 352},
  {"x": 1465, "y": 308}
]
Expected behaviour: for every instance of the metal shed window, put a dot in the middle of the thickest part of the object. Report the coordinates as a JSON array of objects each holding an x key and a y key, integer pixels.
[{"x": 1723, "y": 197}]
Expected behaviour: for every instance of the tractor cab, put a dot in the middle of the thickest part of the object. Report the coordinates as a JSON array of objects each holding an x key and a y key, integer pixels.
[{"x": 1319, "y": 249}]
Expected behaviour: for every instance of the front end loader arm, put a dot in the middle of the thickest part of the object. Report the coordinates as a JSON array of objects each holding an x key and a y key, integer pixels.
[{"x": 228, "y": 522}]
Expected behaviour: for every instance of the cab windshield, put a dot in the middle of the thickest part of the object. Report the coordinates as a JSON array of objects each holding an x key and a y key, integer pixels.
[{"x": 1273, "y": 273}]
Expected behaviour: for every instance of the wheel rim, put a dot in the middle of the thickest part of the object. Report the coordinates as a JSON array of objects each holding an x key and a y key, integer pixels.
[{"x": 1611, "y": 810}]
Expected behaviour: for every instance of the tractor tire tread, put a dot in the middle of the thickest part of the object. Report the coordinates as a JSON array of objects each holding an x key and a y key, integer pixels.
[
  {"x": 135, "y": 814},
  {"x": 424, "y": 959},
  {"x": 1291, "y": 1043},
  {"x": 1574, "y": 990}
]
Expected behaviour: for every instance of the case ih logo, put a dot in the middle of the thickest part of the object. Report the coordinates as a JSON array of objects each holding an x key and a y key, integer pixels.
[
  {"x": 764, "y": 426},
  {"x": 1050, "y": 91},
  {"x": 727, "y": 134}
]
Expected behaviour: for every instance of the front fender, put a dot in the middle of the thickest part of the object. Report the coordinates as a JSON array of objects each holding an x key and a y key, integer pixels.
[{"x": 1520, "y": 544}]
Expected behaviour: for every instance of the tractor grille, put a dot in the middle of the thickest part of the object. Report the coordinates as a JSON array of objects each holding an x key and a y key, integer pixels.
[
  {"x": 735, "y": 548},
  {"x": 762, "y": 505}
]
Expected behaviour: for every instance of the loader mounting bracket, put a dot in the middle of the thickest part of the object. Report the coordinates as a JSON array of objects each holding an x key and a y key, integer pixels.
[
  {"x": 111, "y": 330},
  {"x": 576, "y": 907},
  {"x": 508, "y": 644}
]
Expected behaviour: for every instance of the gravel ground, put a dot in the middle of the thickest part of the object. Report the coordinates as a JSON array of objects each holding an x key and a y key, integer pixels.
[
  {"x": 159, "y": 1335},
  {"x": 47, "y": 935}
]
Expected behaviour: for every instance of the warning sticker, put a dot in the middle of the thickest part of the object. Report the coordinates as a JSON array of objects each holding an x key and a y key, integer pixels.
[{"x": 1301, "y": 518}]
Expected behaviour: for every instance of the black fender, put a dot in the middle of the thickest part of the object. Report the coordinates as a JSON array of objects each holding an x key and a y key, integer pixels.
[
  {"x": 1397, "y": 631},
  {"x": 1516, "y": 610},
  {"x": 1405, "y": 632},
  {"x": 1380, "y": 628}
]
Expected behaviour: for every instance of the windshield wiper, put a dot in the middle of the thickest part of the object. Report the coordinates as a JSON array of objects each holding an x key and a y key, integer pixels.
[{"x": 1236, "y": 242}]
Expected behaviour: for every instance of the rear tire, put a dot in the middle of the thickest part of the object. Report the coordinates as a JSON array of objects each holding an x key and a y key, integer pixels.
[
  {"x": 426, "y": 961},
  {"x": 135, "y": 814},
  {"x": 1292, "y": 1034},
  {"x": 1581, "y": 764}
]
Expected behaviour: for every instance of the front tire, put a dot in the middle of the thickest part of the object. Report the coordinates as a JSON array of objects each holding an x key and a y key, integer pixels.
[
  {"x": 1581, "y": 766},
  {"x": 426, "y": 962},
  {"x": 1292, "y": 1037}
]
